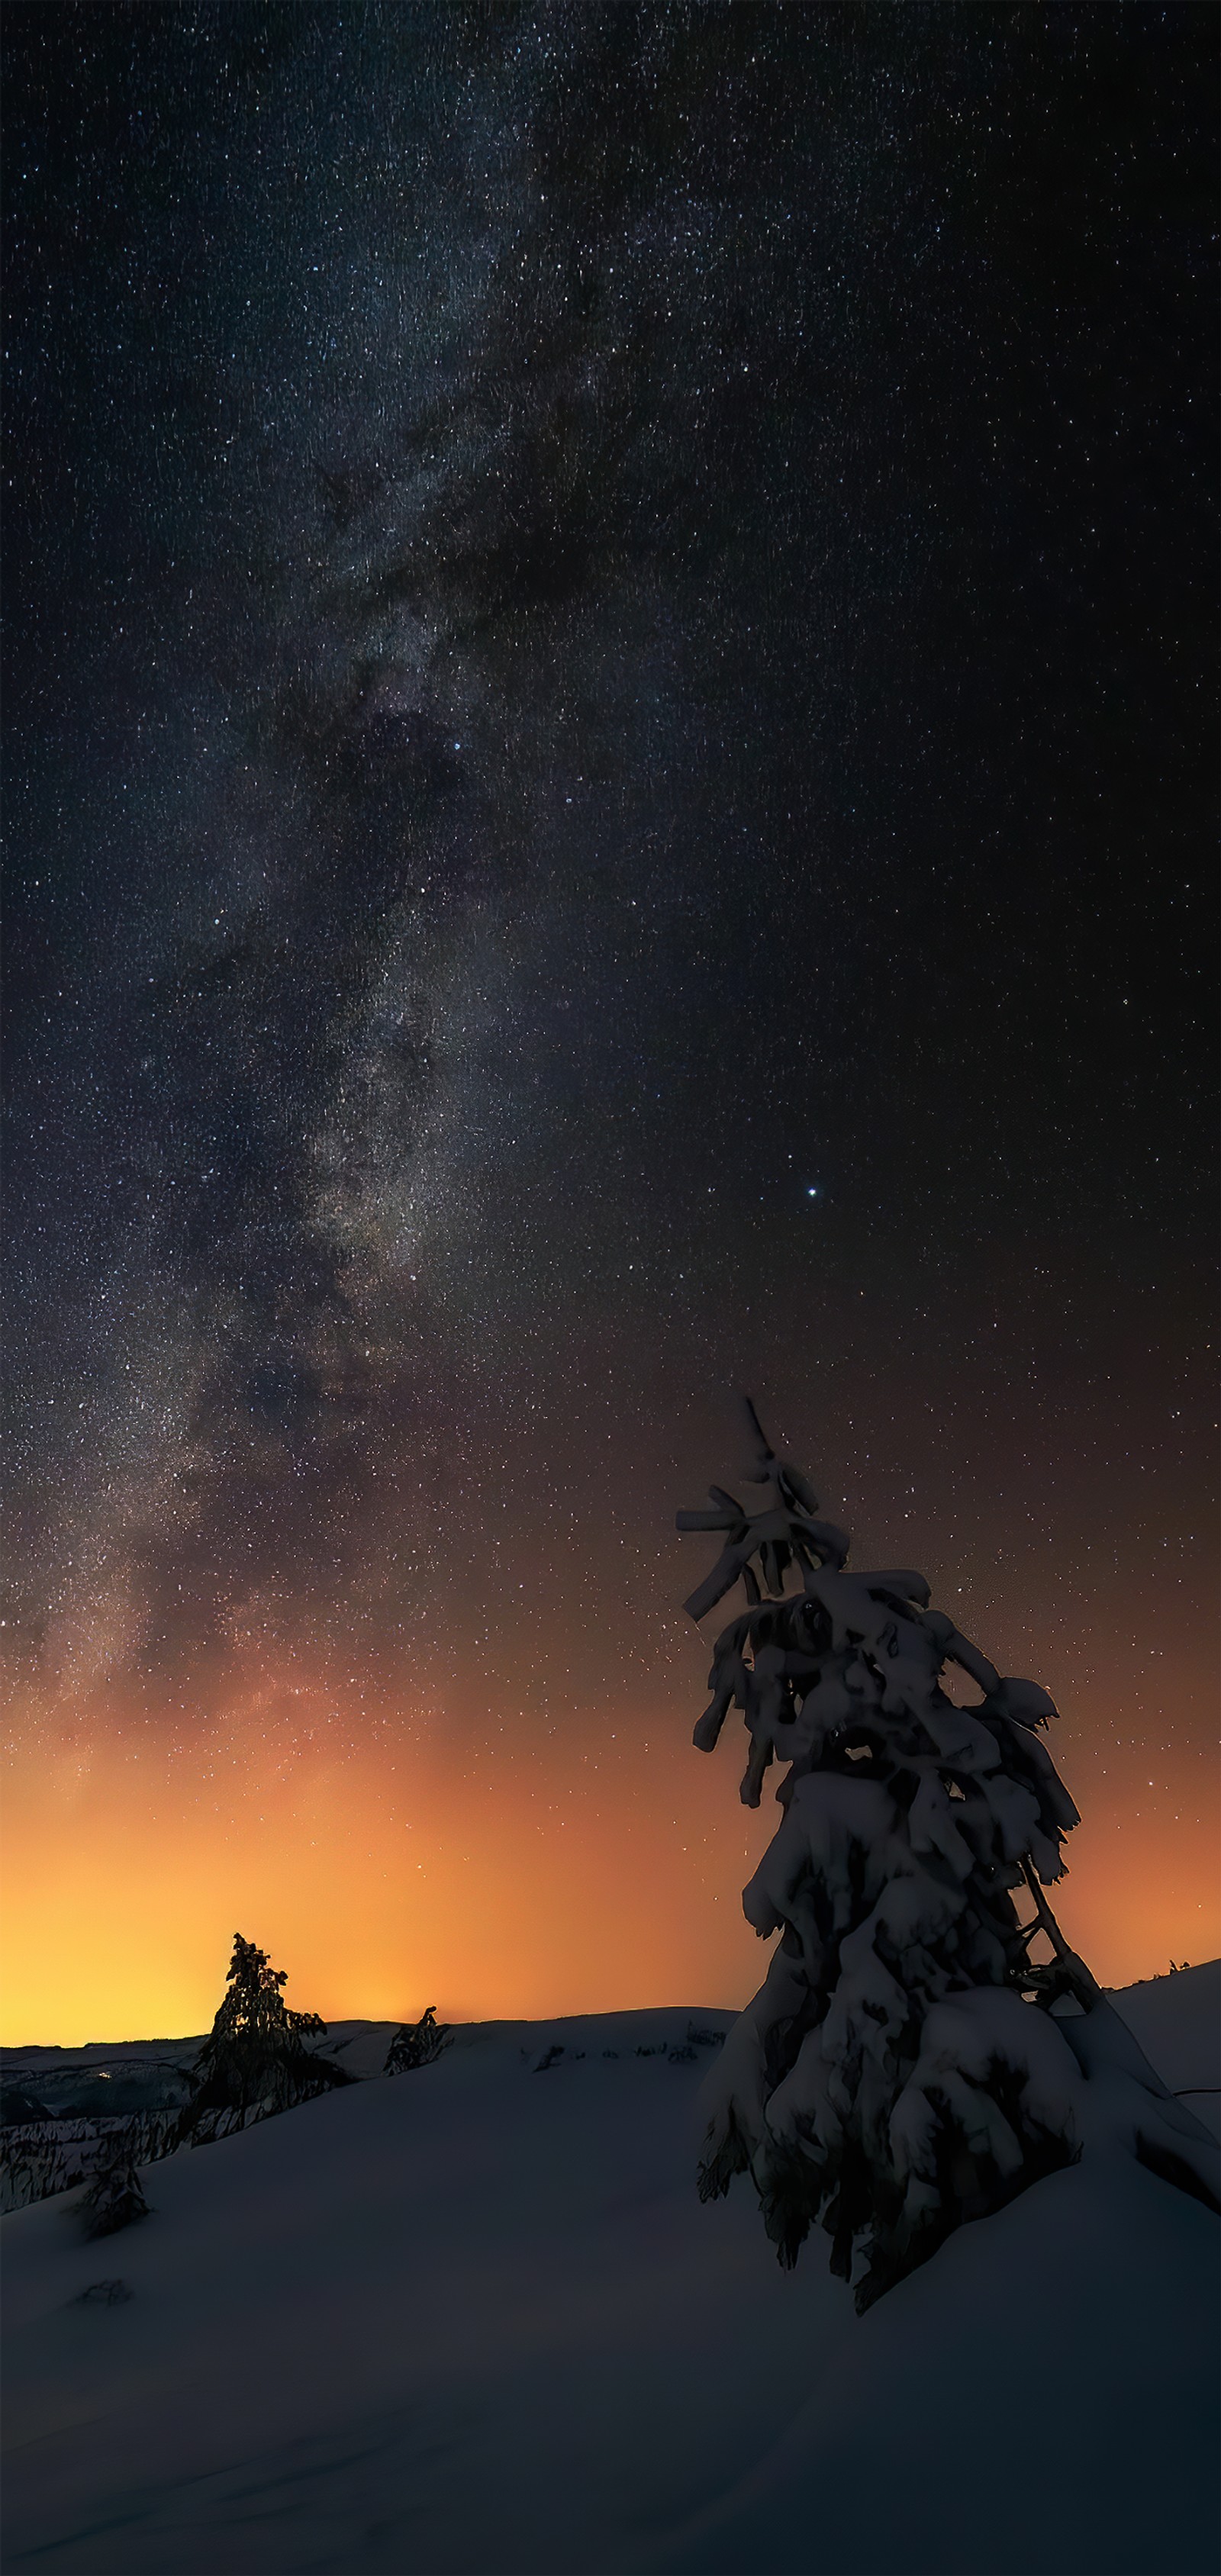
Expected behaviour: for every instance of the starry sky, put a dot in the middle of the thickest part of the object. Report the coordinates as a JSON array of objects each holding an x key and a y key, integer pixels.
[{"x": 609, "y": 775}]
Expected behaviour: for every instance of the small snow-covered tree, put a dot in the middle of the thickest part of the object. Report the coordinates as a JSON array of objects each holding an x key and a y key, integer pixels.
[
  {"x": 254, "y": 2060},
  {"x": 417, "y": 2043},
  {"x": 116, "y": 2195},
  {"x": 901, "y": 2069}
]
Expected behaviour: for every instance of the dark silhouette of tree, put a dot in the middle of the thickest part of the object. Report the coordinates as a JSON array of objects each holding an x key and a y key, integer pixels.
[
  {"x": 115, "y": 2196},
  {"x": 254, "y": 2061},
  {"x": 417, "y": 2043},
  {"x": 907, "y": 2063}
]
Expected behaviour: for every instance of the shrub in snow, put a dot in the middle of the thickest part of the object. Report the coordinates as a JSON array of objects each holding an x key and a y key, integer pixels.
[
  {"x": 417, "y": 2043},
  {"x": 254, "y": 2060},
  {"x": 902, "y": 2068},
  {"x": 52, "y": 2156},
  {"x": 115, "y": 2196}
]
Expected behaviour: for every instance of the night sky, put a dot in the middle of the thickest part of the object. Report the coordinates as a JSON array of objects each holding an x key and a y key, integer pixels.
[{"x": 609, "y": 713}]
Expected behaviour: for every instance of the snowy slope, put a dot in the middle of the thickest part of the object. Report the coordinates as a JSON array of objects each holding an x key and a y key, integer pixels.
[
  {"x": 475, "y": 2319},
  {"x": 1177, "y": 2020}
]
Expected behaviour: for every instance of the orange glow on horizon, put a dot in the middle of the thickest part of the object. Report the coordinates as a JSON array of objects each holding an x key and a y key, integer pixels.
[
  {"x": 510, "y": 1879},
  {"x": 492, "y": 1887}
]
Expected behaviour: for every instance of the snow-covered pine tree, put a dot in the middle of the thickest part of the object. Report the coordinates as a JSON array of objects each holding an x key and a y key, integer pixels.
[
  {"x": 417, "y": 2043},
  {"x": 901, "y": 2069},
  {"x": 254, "y": 2060},
  {"x": 115, "y": 2196}
]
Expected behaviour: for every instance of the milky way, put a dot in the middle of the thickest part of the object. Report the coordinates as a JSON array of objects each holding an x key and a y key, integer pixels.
[{"x": 606, "y": 791}]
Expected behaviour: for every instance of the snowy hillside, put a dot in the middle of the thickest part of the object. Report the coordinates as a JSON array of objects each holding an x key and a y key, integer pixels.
[{"x": 475, "y": 2319}]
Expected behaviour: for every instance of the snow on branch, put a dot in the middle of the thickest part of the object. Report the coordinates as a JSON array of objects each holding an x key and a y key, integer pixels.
[{"x": 902, "y": 2068}]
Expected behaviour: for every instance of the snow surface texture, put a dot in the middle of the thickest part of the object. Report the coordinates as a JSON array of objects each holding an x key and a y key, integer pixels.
[
  {"x": 475, "y": 2319},
  {"x": 901, "y": 2069}
]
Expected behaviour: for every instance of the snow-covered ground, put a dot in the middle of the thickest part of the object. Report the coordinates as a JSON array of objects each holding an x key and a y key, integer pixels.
[{"x": 475, "y": 2319}]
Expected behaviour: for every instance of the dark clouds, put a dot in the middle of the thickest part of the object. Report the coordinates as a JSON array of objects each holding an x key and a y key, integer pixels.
[{"x": 605, "y": 611}]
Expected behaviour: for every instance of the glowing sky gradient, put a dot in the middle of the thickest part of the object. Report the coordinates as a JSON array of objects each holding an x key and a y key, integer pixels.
[
  {"x": 522, "y": 1843},
  {"x": 610, "y": 798}
]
